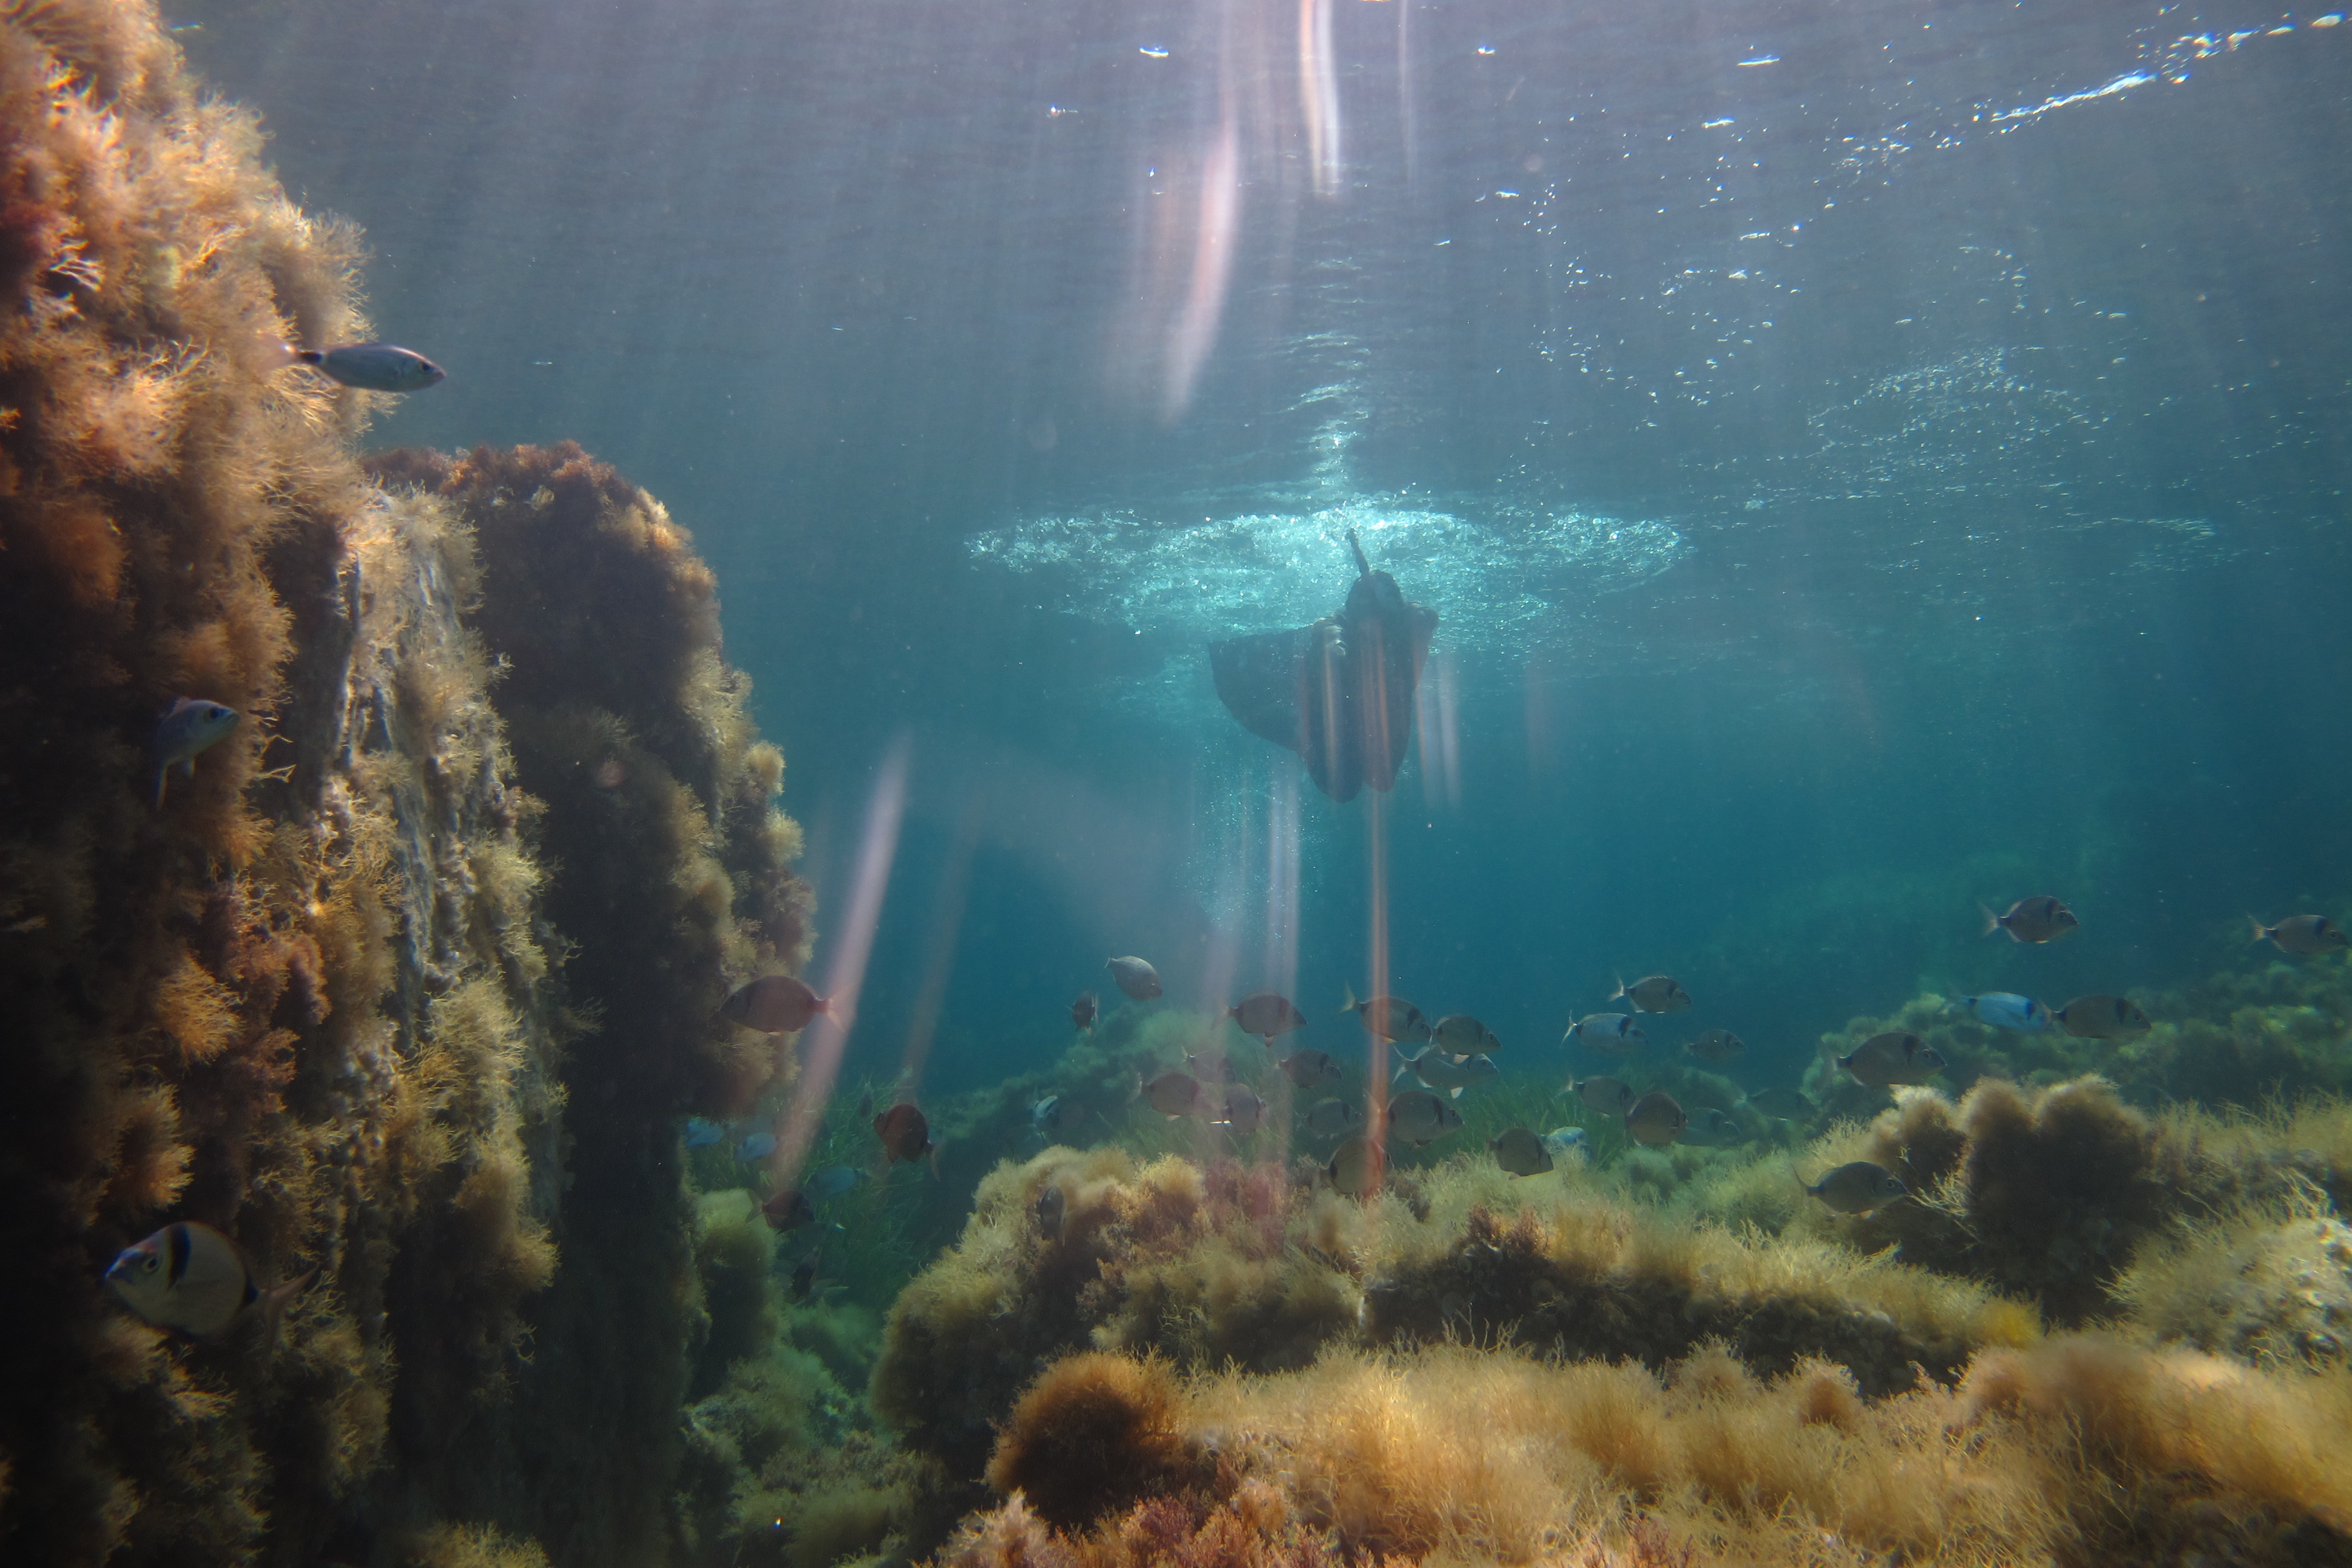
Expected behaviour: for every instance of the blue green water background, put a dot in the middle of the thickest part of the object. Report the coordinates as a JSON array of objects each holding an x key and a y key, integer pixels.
[{"x": 1868, "y": 457}]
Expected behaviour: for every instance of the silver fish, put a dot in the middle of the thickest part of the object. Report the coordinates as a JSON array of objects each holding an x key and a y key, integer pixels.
[
  {"x": 1656, "y": 1119},
  {"x": 2306, "y": 936},
  {"x": 1653, "y": 993},
  {"x": 1616, "y": 1033},
  {"x": 191, "y": 1278},
  {"x": 1138, "y": 979},
  {"x": 1784, "y": 1104},
  {"x": 1266, "y": 1016},
  {"x": 1894, "y": 1057},
  {"x": 1520, "y": 1151},
  {"x": 1326, "y": 1117},
  {"x": 374, "y": 367},
  {"x": 1310, "y": 1069},
  {"x": 1439, "y": 1069},
  {"x": 1713, "y": 1128},
  {"x": 1389, "y": 1017},
  {"x": 774, "y": 1005},
  {"x": 1244, "y": 1110},
  {"x": 1173, "y": 1093},
  {"x": 1609, "y": 1096},
  {"x": 1715, "y": 1046},
  {"x": 1462, "y": 1035},
  {"x": 193, "y": 724},
  {"x": 2008, "y": 1010},
  {"x": 2039, "y": 918},
  {"x": 2102, "y": 1018},
  {"x": 1857, "y": 1187},
  {"x": 1356, "y": 1166},
  {"x": 1417, "y": 1116}
]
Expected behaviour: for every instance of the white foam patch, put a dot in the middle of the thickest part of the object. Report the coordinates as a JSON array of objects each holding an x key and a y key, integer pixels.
[{"x": 1510, "y": 580}]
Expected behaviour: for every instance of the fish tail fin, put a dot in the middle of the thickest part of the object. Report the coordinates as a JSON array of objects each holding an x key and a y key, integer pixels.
[
  {"x": 1991, "y": 921},
  {"x": 1350, "y": 1005},
  {"x": 1796, "y": 1176},
  {"x": 1135, "y": 1086},
  {"x": 1620, "y": 986},
  {"x": 274, "y": 1301},
  {"x": 1455, "y": 1091},
  {"x": 931, "y": 1157},
  {"x": 2261, "y": 931},
  {"x": 163, "y": 775}
]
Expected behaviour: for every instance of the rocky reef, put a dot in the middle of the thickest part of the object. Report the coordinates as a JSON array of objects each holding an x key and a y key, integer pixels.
[
  {"x": 404, "y": 985},
  {"x": 2081, "y": 1450},
  {"x": 2093, "y": 1333}
]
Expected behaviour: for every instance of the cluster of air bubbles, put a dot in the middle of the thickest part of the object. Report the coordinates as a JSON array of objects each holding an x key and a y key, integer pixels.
[
  {"x": 1940, "y": 419},
  {"x": 2170, "y": 60},
  {"x": 1506, "y": 579},
  {"x": 2174, "y": 60}
]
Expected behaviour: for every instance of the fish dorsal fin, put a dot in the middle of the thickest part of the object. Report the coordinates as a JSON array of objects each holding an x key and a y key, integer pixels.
[{"x": 1363, "y": 566}]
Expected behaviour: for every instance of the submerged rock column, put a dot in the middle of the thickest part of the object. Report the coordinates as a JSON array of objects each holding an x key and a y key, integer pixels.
[{"x": 320, "y": 990}]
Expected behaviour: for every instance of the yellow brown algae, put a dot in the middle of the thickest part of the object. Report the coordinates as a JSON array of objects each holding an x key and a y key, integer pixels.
[{"x": 318, "y": 998}]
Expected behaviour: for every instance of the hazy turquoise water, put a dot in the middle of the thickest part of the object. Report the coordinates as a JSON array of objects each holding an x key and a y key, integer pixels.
[{"x": 1868, "y": 458}]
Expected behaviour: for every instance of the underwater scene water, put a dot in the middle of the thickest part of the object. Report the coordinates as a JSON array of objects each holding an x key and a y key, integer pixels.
[{"x": 1175, "y": 783}]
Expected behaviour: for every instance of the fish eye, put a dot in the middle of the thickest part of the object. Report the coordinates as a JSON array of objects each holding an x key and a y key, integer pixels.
[{"x": 149, "y": 1262}]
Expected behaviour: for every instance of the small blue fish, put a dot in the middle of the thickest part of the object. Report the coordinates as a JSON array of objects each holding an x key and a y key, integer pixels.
[
  {"x": 2006, "y": 1010},
  {"x": 193, "y": 724},
  {"x": 758, "y": 1146},
  {"x": 701, "y": 1132},
  {"x": 374, "y": 367},
  {"x": 833, "y": 1181},
  {"x": 1561, "y": 1141}
]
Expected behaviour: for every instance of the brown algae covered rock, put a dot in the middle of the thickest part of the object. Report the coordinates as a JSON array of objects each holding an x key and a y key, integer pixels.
[
  {"x": 1238, "y": 1266},
  {"x": 294, "y": 975},
  {"x": 2077, "y": 1451},
  {"x": 2269, "y": 1289},
  {"x": 199, "y": 968}
]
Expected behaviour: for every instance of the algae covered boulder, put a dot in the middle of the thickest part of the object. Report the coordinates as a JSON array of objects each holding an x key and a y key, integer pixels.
[{"x": 311, "y": 989}]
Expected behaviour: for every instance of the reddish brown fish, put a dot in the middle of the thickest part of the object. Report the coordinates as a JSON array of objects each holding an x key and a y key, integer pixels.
[
  {"x": 906, "y": 1136},
  {"x": 773, "y": 1005}
]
